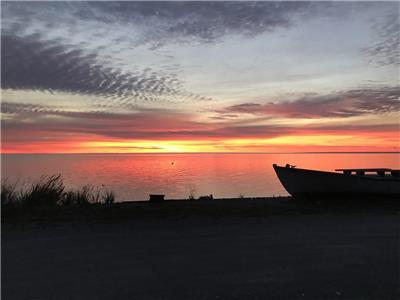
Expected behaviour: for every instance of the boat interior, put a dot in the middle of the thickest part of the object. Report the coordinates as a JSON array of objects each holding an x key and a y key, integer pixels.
[{"x": 371, "y": 172}]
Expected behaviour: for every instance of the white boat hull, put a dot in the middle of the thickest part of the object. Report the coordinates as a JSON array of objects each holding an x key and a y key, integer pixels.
[{"x": 311, "y": 183}]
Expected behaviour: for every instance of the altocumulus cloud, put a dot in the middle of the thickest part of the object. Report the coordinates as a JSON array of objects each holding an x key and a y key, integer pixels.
[
  {"x": 342, "y": 104},
  {"x": 86, "y": 47},
  {"x": 386, "y": 48},
  {"x": 32, "y": 64},
  {"x": 161, "y": 21},
  {"x": 95, "y": 47}
]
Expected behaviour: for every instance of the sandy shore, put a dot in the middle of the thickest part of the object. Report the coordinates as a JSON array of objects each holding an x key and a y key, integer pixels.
[{"x": 288, "y": 253}]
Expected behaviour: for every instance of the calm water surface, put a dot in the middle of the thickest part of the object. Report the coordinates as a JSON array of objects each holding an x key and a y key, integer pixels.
[{"x": 135, "y": 176}]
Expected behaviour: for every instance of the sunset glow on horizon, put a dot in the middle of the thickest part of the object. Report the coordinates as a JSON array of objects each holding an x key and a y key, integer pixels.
[{"x": 183, "y": 77}]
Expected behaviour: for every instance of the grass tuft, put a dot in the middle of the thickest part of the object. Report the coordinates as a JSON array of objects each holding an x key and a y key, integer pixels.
[
  {"x": 50, "y": 191},
  {"x": 9, "y": 193},
  {"x": 76, "y": 197},
  {"x": 108, "y": 197}
]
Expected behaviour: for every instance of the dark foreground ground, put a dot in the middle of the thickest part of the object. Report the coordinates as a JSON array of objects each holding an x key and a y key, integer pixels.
[{"x": 289, "y": 252}]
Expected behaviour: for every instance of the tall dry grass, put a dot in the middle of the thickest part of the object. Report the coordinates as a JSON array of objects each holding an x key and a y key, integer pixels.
[{"x": 51, "y": 191}]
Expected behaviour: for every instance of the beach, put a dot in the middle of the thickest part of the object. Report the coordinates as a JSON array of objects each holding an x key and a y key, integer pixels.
[{"x": 238, "y": 249}]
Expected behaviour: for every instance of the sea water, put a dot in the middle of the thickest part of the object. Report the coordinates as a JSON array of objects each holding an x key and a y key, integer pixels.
[{"x": 178, "y": 176}]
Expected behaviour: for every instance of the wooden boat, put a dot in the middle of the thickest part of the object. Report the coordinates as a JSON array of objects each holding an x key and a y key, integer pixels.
[{"x": 303, "y": 183}]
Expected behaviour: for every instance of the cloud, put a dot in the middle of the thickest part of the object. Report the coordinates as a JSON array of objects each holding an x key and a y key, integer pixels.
[
  {"x": 38, "y": 122},
  {"x": 165, "y": 22},
  {"x": 31, "y": 64},
  {"x": 88, "y": 49},
  {"x": 44, "y": 124},
  {"x": 340, "y": 105},
  {"x": 142, "y": 123},
  {"x": 385, "y": 50},
  {"x": 102, "y": 48},
  {"x": 123, "y": 53}
]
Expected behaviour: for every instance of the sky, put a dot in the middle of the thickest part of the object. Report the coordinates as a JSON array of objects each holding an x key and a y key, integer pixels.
[{"x": 79, "y": 77}]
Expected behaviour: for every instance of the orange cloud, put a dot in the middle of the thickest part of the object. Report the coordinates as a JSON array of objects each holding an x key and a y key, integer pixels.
[{"x": 33, "y": 129}]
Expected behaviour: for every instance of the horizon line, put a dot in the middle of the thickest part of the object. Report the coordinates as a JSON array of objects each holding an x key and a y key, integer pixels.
[{"x": 188, "y": 153}]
